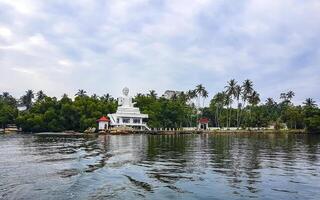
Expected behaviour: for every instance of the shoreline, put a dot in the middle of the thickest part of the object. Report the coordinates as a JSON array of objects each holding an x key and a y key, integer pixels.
[
  {"x": 181, "y": 132},
  {"x": 167, "y": 132}
]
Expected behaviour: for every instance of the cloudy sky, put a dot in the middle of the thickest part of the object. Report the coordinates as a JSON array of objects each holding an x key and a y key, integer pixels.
[{"x": 101, "y": 46}]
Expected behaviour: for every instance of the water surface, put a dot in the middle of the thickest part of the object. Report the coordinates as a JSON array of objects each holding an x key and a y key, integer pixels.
[{"x": 265, "y": 166}]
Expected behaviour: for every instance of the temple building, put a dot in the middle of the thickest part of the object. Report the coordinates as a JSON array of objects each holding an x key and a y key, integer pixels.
[{"x": 127, "y": 115}]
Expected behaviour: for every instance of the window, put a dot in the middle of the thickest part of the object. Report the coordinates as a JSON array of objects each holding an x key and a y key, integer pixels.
[
  {"x": 126, "y": 120},
  {"x": 136, "y": 120}
]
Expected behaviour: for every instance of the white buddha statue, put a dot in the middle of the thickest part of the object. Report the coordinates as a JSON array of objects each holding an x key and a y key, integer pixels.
[{"x": 125, "y": 101}]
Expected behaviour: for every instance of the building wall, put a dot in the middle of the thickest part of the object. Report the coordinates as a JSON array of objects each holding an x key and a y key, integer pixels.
[{"x": 102, "y": 125}]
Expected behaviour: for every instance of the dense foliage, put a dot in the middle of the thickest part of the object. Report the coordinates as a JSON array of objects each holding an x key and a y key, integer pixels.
[
  {"x": 8, "y": 109},
  {"x": 236, "y": 106},
  {"x": 50, "y": 114}
]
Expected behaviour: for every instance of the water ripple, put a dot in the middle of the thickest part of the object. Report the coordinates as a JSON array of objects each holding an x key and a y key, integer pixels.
[{"x": 161, "y": 167}]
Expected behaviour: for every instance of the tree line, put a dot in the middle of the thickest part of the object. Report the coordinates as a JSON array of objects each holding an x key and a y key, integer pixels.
[{"x": 237, "y": 105}]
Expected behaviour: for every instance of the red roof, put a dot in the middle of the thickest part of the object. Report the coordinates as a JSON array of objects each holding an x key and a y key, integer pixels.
[
  {"x": 103, "y": 119},
  {"x": 203, "y": 120}
]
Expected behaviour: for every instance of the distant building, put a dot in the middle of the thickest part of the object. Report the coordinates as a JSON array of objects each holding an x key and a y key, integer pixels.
[
  {"x": 128, "y": 115},
  {"x": 169, "y": 94}
]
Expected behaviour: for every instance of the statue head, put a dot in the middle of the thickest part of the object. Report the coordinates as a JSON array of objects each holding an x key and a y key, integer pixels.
[{"x": 125, "y": 91}]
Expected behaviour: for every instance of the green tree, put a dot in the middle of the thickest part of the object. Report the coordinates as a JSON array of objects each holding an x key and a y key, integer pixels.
[
  {"x": 26, "y": 99},
  {"x": 231, "y": 91},
  {"x": 81, "y": 93}
]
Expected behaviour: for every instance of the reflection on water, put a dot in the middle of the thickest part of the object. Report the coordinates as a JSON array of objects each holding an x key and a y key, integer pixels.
[{"x": 257, "y": 166}]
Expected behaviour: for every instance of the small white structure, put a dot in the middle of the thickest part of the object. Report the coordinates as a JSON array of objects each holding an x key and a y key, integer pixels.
[
  {"x": 103, "y": 123},
  {"x": 128, "y": 115},
  {"x": 203, "y": 123}
]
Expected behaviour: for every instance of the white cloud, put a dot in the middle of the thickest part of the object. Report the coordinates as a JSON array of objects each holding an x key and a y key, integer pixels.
[
  {"x": 5, "y": 32},
  {"x": 160, "y": 45},
  {"x": 22, "y": 6}
]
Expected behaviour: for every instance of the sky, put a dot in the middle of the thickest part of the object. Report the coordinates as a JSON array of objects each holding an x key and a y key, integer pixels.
[{"x": 101, "y": 46}]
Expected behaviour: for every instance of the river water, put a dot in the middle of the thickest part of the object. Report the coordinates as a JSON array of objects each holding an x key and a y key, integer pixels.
[{"x": 256, "y": 166}]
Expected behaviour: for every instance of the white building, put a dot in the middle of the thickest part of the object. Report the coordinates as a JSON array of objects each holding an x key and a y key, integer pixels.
[
  {"x": 128, "y": 115},
  {"x": 169, "y": 94}
]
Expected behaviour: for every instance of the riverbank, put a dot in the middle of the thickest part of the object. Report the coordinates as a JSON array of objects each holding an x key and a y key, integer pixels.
[{"x": 172, "y": 132}]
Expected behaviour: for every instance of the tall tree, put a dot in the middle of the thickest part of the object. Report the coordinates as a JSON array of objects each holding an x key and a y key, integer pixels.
[
  {"x": 309, "y": 102},
  {"x": 26, "y": 99},
  {"x": 237, "y": 95},
  {"x": 270, "y": 102},
  {"x": 200, "y": 92},
  {"x": 290, "y": 95},
  {"x": 231, "y": 91},
  {"x": 81, "y": 93},
  {"x": 205, "y": 95},
  {"x": 153, "y": 94},
  {"x": 247, "y": 88},
  {"x": 8, "y": 98},
  {"x": 40, "y": 95},
  {"x": 217, "y": 103},
  {"x": 254, "y": 99},
  {"x": 227, "y": 102}
]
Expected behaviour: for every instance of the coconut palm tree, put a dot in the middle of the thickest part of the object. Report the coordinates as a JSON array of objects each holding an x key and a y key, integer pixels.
[
  {"x": 219, "y": 101},
  {"x": 231, "y": 91},
  {"x": 153, "y": 94},
  {"x": 106, "y": 97},
  {"x": 227, "y": 102},
  {"x": 5, "y": 95},
  {"x": 254, "y": 99},
  {"x": 94, "y": 96},
  {"x": 237, "y": 95},
  {"x": 231, "y": 87},
  {"x": 139, "y": 95},
  {"x": 247, "y": 88},
  {"x": 8, "y": 98},
  {"x": 310, "y": 103},
  {"x": 191, "y": 94},
  {"x": 290, "y": 95},
  {"x": 270, "y": 102},
  {"x": 199, "y": 90},
  {"x": 205, "y": 95},
  {"x": 26, "y": 99},
  {"x": 183, "y": 96},
  {"x": 283, "y": 96},
  {"x": 40, "y": 95},
  {"x": 81, "y": 93}
]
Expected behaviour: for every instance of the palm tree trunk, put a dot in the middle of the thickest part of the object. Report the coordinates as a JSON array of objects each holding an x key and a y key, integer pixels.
[
  {"x": 230, "y": 124},
  {"x": 238, "y": 107},
  {"x": 217, "y": 117},
  {"x": 250, "y": 115},
  {"x": 220, "y": 114},
  {"x": 241, "y": 112},
  {"x": 229, "y": 115}
]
